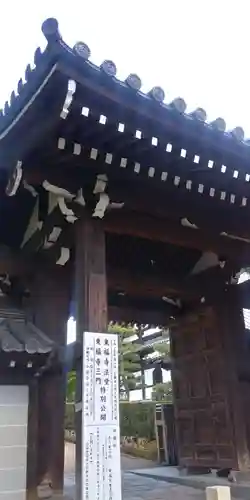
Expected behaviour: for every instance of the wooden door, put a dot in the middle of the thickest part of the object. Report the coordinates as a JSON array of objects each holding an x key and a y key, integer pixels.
[{"x": 203, "y": 419}]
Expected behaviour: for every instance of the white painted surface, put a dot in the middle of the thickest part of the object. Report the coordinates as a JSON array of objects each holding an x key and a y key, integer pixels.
[
  {"x": 101, "y": 463},
  {"x": 13, "y": 495},
  {"x": 218, "y": 493},
  {"x": 13, "y": 441}
]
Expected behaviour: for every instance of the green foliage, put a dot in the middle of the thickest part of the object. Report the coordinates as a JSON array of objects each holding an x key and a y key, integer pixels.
[
  {"x": 137, "y": 419},
  {"x": 71, "y": 387},
  {"x": 129, "y": 359},
  {"x": 163, "y": 349},
  {"x": 69, "y": 419},
  {"x": 163, "y": 392},
  {"x": 123, "y": 331}
]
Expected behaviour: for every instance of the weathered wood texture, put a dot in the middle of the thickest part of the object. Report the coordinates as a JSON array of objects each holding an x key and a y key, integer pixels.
[
  {"x": 91, "y": 303},
  {"x": 211, "y": 427},
  {"x": 49, "y": 309},
  {"x": 173, "y": 232},
  {"x": 236, "y": 350}
]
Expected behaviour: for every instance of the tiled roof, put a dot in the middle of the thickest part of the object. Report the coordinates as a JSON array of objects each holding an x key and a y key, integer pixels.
[
  {"x": 58, "y": 50},
  {"x": 17, "y": 334}
]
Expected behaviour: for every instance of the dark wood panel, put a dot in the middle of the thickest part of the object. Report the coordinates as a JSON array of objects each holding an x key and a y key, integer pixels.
[
  {"x": 204, "y": 425},
  {"x": 165, "y": 230}
]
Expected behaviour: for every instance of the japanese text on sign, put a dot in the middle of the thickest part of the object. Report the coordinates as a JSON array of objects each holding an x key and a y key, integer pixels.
[{"x": 101, "y": 474}]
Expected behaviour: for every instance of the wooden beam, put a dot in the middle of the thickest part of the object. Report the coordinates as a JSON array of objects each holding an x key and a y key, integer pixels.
[
  {"x": 91, "y": 305},
  {"x": 189, "y": 289},
  {"x": 123, "y": 281},
  {"x": 127, "y": 315},
  {"x": 154, "y": 286},
  {"x": 165, "y": 230},
  {"x": 158, "y": 199}
]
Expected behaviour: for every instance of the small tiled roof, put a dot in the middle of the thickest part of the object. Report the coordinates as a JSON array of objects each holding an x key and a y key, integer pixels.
[{"x": 18, "y": 334}]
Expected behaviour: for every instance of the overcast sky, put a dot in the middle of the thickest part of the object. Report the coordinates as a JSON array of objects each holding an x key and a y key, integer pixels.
[{"x": 195, "y": 49}]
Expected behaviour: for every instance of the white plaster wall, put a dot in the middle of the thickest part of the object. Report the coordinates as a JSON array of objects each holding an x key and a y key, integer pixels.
[{"x": 14, "y": 402}]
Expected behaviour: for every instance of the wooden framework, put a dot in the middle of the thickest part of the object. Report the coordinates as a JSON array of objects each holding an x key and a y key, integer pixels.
[{"x": 136, "y": 212}]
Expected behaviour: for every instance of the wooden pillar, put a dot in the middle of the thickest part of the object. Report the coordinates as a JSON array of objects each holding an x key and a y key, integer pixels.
[
  {"x": 90, "y": 303},
  {"x": 48, "y": 308}
]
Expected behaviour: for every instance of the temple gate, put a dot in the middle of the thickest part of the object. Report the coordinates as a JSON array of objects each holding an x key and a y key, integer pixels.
[{"x": 137, "y": 212}]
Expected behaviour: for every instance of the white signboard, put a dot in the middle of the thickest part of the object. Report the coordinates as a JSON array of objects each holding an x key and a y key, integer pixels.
[{"x": 101, "y": 472}]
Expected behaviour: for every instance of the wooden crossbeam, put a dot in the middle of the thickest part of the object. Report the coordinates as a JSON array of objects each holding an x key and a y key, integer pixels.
[
  {"x": 151, "y": 317},
  {"x": 165, "y": 230},
  {"x": 154, "y": 286},
  {"x": 161, "y": 230},
  {"x": 157, "y": 199}
]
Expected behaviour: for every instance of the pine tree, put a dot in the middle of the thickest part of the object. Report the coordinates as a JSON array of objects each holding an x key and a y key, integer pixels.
[
  {"x": 129, "y": 359},
  {"x": 163, "y": 392}
]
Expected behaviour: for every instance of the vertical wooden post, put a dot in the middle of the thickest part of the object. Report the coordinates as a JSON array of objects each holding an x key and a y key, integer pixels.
[
  {"x": 90, "y": 305},
  {"x": 49, "y": 309}
]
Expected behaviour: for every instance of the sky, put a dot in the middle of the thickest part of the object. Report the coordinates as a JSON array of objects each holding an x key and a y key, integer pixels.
[{"x": 195, "y": 49}]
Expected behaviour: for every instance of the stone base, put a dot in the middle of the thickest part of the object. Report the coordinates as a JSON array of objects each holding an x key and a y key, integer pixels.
[
  {"x": 194, "y": 471},
  {"x": 239, "y": 476}
]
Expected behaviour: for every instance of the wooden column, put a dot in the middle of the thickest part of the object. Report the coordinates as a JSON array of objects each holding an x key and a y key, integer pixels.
[
  {"x": 48, "y": 309},
  {"x": 90, "y": 302}
]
